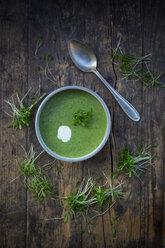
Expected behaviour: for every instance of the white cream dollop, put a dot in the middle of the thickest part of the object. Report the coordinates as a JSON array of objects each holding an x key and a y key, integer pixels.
[{"x": 64, "y": 133}]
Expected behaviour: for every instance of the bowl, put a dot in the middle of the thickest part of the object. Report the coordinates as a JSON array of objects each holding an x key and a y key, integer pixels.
[{"x": 60, "y": 136}]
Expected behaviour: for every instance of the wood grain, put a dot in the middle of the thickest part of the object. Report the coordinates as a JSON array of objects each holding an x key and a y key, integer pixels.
[{"x": 140, "y": 215}]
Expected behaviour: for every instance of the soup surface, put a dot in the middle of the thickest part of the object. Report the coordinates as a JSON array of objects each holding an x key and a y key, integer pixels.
[{"x": 58, "y": 112}]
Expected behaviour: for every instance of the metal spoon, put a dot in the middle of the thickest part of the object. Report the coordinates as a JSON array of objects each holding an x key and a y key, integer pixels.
[{"x": 86, "y": 61}]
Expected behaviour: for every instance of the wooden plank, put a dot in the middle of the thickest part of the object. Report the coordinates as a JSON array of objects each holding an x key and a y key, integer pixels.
[
  {"x": 128, "y": 223},
  {"x": 13, "y": 57},
  {"x": 153, "y": 40},
  {"x": 55, "y": 233},
  {"x": 140, "y": 230}
]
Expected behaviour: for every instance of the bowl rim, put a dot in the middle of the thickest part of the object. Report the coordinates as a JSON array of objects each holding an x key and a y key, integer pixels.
[{"x": 68, "y": 159}]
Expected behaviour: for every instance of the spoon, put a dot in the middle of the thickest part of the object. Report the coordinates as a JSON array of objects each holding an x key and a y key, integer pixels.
[{"x": 84, "y": 58}]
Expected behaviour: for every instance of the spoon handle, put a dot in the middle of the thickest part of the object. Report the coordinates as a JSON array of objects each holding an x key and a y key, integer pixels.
[{"x": 124, "y": 104}]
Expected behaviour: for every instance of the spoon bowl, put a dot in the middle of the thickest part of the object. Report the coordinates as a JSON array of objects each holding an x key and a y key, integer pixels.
[{"x": 85, "y": 59}]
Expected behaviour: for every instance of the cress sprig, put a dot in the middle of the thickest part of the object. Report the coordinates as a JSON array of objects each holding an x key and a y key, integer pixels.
[
  {"x": 134, "y": 165},
  {"x": 20, "y": 112},
  {"x": 91, "y": 199},
  {"x": 134, "y": 68},
  {"x": 108, "y": 194},
  {"x": 82, "y": 117},
  {"x": 48, "y": 74},
  {"x": 35, "y": 178}
]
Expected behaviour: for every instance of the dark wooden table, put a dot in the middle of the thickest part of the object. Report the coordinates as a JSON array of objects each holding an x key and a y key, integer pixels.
[{"x": 141, "y": 216}]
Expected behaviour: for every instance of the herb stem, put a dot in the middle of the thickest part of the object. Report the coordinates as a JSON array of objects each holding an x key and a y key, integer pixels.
[
  {"x": 38, "y": 45},
  {"x": 14, "y": 179},
  {"x": 54, "y": 218},
  {"x": 39, "y": 156},
  {"x": 100, "y": 214}
]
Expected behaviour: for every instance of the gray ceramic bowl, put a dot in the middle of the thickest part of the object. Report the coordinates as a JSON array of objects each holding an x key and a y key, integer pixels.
[{"x": 53, "y": 154}]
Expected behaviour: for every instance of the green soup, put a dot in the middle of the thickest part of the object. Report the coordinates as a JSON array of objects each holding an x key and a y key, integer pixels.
[{"x": 58, "y": 111}]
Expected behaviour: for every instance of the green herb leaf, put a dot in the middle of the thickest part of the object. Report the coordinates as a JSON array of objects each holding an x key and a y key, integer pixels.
[
  {"x": 114, "y": 232},
  {"x": 66, "y": 218},
  {"x": 100, "y": 195}
]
